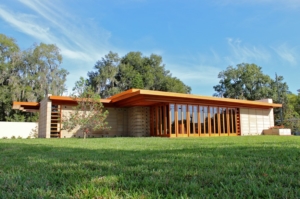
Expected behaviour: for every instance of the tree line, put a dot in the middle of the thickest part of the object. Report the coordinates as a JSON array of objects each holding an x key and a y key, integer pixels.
[{"x": 114, "y": 74}]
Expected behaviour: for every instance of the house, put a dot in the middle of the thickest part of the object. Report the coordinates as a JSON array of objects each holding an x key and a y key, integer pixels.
[{"x": 137, "y": 112}]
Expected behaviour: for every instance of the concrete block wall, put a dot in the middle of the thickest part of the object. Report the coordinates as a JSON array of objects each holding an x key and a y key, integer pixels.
[
  {"x": 117, "y": 121},
  {"x": 139, "y": 121},
  {"x": 17, "y": 129},
  {"x": 254, "y": 121},
  {"x": 45, "y": 118}
]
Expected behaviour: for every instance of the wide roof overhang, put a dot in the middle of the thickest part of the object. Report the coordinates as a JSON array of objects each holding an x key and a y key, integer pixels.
[{"x": 139, "y": 97}]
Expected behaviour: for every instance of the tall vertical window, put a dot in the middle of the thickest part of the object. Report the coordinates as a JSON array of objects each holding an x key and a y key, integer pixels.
[
  {"x": 179, "y": 113},
  {"x": 187, "y": 120},
  {"x": 172, "y": 110},
  {"x": 184, "y": 118},
  {"x": 222, "y": 112},
  {"x": 195, "y": 119}
]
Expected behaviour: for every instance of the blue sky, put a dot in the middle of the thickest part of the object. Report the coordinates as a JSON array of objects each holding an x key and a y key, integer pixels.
[{"x": 197, "y": 39}]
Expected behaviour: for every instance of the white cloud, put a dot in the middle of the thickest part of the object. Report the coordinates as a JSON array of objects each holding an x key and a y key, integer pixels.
[
  {"x": 52, "y": 24},
  {"x": 243, "y": 53},
  {"x": 60, "y": 30},
  {"x": 287, "y": 53}
]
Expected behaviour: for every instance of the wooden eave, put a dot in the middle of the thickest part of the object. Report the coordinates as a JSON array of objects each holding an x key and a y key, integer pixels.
[
  {"x": 26, "y": 106},
  {"x": 136, "y": 97},
  {"x": 66, "y": 100}
]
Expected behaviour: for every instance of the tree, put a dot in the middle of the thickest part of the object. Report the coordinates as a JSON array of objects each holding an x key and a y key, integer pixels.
[
  {"x": 9, "y": 54},
  {"x": 28, "y": 75},
  {"x": 114, "y": 75},
  {"x": 246, "y": 81},
  {"x": 103, "y": 81},
  {"x": 42, "y": 73},
  {"x": 89, "y": 113}
]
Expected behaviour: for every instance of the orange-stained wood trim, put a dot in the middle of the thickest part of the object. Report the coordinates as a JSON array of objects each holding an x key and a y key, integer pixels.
[
  {"x": 26, "y": 105},
  {"x": 67, "y": 99},
  {"x": 131, "y": 101},
  {"x": 122, "y": 94},
  {"x": 190, "y": 96},
  {"x": 207, "y": 103}
]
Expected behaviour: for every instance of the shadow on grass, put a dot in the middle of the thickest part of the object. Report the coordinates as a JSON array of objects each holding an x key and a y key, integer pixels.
[{"x": 229, "y": 171}]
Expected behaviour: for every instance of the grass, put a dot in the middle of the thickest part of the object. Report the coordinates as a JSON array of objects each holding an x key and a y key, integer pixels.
[{"x": 222, "y": 167}]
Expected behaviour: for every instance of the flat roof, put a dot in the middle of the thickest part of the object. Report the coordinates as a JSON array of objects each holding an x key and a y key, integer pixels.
[
  {"x": 26, "y": 106},
  {"x": 66, "y": 100},
  {"x": 140, "y": 97}
]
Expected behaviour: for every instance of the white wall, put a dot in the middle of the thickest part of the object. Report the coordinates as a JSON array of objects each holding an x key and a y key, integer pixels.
[
  {"x": 22, "y": 129},
  {"x": 254, "y": 121}
]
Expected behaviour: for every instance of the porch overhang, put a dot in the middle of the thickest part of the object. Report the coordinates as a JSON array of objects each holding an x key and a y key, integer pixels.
[{"x": 26, "y": 106}]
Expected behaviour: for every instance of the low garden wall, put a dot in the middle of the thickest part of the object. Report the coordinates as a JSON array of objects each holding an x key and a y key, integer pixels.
[
  {"x": 18, "y": 129},
  {"x": 276, "y": 131}
]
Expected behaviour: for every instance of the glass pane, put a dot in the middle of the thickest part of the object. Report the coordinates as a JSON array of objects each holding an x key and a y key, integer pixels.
[
  {"x": 216, "y": 120},
  {"x": 206, "y": 119},
  {"x": 195, "y": 119},
  {"x": 184, "y": 111},
  {"x": 226, "y": 119},
  {"x": 222, "y": 120},
  {"x": 191, "y": 124},
  {"x": 202, "y": 122},
  {"x": 172, "y": 108},
  {"x": 179, "y": 109},
  {"x": 212, "y": 123}
]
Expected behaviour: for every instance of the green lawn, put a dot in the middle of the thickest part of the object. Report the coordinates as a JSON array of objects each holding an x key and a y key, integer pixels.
[{"x": 221, "y": 167}]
